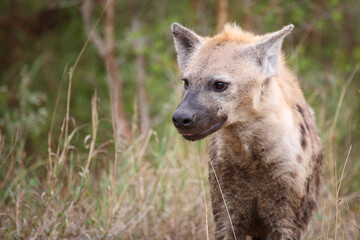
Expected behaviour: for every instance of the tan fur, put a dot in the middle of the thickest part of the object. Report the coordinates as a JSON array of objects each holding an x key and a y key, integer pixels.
[
  {"x": 234, "y": 33},
  {"x": 267, "y": 155}
]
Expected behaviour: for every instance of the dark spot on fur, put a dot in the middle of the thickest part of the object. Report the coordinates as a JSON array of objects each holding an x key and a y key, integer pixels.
[
  {"x": 308, "y": 186},
  {"x": 303, "y": 136},
  {"x": 293, "y": 174},
  {"x": 303, "y": 142},
  {"x": 306, "y": 207},
  {"x": 308, "y": 202},
  {"x": 319, "y": 159},
  {"x": 266, "y": 82},
  {"x": 302, "y": 129},
  {"x": 300, "y": 110},
  {"x": 318, "y": 167},
  {"x": 216, "y": 216},
  {"x": 309, "y": 180}
]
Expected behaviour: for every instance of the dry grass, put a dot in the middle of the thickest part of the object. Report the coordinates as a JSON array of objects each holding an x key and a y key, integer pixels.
[
  {"x": 152, "y": 189},
  {"x": 138, "y": 199},
  {"x": 155, "y": 188}
]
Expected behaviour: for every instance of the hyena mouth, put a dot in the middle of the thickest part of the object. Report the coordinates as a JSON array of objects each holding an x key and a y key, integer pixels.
[{"x": 201, "y": 135}]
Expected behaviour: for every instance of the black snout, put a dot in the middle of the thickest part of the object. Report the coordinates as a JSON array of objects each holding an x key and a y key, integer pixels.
[
  {"x": 195, "y": 121},
  {"x": 183, "y": 119}
]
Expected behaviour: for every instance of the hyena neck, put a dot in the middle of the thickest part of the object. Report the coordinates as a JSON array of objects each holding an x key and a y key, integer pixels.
[
  {"x": 269, "y": 138},
  {"x": 271, "y": 131},
  {"x": 260, "y": 138}
]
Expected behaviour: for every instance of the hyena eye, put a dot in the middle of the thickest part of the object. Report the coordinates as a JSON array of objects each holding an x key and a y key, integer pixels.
[
  {"x": 220, "y": 86},
  {"x": 186, "y": 83}
]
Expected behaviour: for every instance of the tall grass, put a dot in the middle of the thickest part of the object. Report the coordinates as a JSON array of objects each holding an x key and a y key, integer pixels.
[
  {"x": 156, "y": 187},
  {"x": 152, "y": 189},
  {"x": 134, "y": 200}
]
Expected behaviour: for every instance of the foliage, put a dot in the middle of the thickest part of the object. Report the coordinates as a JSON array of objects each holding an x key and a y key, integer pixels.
[{"x": 152, "y": 189}]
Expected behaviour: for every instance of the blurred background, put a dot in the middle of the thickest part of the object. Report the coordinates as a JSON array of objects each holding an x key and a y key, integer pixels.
[{"x": 87, "y": 90}]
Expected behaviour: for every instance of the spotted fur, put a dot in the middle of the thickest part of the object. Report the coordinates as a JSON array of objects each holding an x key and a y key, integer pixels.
[{"x": 265, "y": 148}]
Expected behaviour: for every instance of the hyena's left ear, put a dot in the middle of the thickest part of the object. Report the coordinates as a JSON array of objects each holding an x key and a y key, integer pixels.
[
  {"x": 186, "y": 43},
  {"x": 268, "y": 51}
]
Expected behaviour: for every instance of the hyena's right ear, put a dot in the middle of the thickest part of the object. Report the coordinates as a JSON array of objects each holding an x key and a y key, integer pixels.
[
  {"x": 268, "y": 51},
  {"x": 186, "y": 43}
]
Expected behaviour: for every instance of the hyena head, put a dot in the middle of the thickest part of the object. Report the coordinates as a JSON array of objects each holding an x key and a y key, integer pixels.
[{"x": 223, "y": 76}]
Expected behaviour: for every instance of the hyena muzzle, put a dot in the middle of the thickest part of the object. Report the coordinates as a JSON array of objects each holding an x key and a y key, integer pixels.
[{"x": 265, "y": 151}]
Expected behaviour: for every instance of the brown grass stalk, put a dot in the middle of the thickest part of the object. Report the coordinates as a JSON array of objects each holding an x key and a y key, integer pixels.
[
  {"x": 206, "y": 206},
  {"x": 331, "y": 145},
  {"x": 223, "y": 197}
]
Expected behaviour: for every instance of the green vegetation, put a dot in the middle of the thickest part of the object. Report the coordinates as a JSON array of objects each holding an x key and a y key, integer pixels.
[{"x": 60, "y": 173}]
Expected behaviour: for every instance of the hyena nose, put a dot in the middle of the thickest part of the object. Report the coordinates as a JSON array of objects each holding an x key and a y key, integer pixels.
[{"x": 183, "y": 119}]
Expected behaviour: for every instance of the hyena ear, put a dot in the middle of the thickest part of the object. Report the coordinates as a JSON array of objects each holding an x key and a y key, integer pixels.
[
  {"x": 268, "y": 51},
  {"x": 186, "y": 42}
]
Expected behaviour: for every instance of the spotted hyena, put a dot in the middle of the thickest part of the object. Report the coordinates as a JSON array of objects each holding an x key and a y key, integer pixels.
[{"x": 265, "y": 152}]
